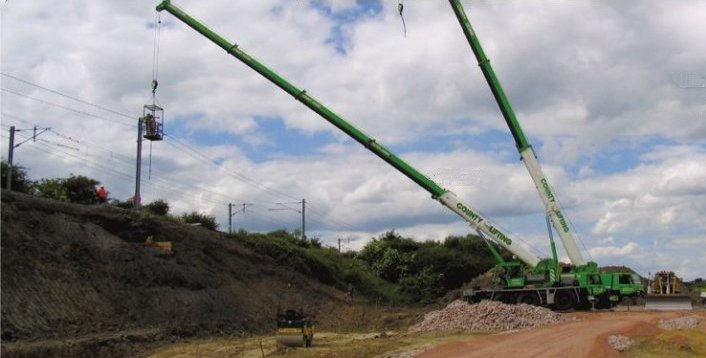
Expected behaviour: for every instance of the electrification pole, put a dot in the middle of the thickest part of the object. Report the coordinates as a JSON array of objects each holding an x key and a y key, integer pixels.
[
  {"x": 138, "y": 170},
  {"x": 303, "y": 218},
  {"x": 283, "y": 206},
  {"x": 231, "y": 214},
  {"x": 10, "y": 152}
]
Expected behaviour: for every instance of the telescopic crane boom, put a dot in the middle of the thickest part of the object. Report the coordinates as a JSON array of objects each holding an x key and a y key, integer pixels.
[
  {"x": 445, "y": 197},
  {"x": 551, "y": 204}
]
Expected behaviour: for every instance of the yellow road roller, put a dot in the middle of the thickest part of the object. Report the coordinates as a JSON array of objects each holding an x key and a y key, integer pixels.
[{"x": 294, "y": 329}]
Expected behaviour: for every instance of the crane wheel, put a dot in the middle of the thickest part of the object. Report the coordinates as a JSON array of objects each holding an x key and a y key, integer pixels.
[
  {"x": 505, "y": 298},
  {"x": 564, "y": 300},
  {"x": 528, "y": 298}
]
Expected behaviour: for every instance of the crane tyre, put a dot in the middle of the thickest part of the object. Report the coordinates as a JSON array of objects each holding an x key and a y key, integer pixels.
[
  {"x": 529, "y": 298},
  {"x": 505, "y": 298},
  {"x": 564, "y": 300}
]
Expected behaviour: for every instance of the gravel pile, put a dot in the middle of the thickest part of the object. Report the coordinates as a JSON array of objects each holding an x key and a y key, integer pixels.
[
  {"x": 685, "y": 322},
  {"x": 487, "y": 316},
  {"x": 620, "y": 342}
]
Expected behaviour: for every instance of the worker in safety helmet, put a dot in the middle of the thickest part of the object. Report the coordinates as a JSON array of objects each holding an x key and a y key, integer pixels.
[
  {"x": 151, "y": 124},
  {"x": 102, "y": 195}
]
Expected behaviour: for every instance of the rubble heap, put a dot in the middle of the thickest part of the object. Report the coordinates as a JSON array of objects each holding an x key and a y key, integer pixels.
[
  {"x": 685, "y": 322},
  {"x": 486, "y": 316},
  {"x": 619, "y": 342}
]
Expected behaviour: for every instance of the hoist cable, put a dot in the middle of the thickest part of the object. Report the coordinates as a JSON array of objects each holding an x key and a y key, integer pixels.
[
  {"x": 155, "y": 53},
  {"x": 400, "y": 8},
  {"x": 149, "y": 173}
]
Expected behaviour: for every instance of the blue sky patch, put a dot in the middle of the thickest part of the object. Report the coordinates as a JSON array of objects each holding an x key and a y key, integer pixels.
[
  {"x": 279, "y": 140},
  {"x": 364, "y": 9}
]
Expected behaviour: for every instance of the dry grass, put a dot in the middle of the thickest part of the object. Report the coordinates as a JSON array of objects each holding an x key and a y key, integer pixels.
[
  {"x": 340, "y": 345},
  {"x": 676, "y": 343}
]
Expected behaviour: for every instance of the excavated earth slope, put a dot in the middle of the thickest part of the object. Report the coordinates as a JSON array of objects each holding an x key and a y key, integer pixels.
[{"x": 80, "y": 278}]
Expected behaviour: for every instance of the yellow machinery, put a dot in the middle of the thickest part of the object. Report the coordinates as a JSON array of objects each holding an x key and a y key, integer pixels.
[
  {"x": 666, "y": 291},
  {"x": 294, "y": 329},
  {"x": 162, "y": 247}
]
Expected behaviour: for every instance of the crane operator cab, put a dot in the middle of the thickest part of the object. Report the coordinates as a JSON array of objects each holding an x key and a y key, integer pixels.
[{"x": 152, "y": 122}]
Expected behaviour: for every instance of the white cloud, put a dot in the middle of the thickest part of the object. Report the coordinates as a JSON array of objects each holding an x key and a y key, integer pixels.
[
  {"x": 578, "y": 89},
  {"x": 601, "y": 252}
]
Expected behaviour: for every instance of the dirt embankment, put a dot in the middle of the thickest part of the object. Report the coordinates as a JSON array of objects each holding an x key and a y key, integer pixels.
[{"x": 80, "y": 276}]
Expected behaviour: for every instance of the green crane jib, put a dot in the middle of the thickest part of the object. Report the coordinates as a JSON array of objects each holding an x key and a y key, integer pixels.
[
  {"x": 447, "y": 198},
  {"x": 551, "y": 204}
]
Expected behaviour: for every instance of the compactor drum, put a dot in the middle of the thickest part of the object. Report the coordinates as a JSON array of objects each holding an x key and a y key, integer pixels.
[{"x": 294, "y": 329}]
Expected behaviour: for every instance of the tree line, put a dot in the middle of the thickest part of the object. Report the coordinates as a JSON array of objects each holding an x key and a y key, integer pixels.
[{"x": 80, "y": 189}]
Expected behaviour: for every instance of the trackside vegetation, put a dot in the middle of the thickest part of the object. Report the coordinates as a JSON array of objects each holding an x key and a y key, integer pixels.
[{"x": 389, "y": 269}]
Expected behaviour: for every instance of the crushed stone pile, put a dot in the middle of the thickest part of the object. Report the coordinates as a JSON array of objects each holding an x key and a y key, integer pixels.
[
  {"x": 486, "y": 316},
  {"x": 619, "y": 342},
  {"x": 685, "y": 322}
]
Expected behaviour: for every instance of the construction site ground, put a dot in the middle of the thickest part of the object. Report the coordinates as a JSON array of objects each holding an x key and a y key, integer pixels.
[
  {"x": 585, "y": 335},
  {"x": 79, "y": 281}
]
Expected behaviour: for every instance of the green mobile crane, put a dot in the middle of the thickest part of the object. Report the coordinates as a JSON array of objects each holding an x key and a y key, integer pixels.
[
  {"x": 620, "y": 285},
  {"x": 544, "y": 284}
]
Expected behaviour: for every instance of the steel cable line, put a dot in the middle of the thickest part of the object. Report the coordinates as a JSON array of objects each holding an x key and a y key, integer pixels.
[
  {"x": 114, "y": 155},
  {"x": 66, "y": 108},
  {"x": 239, "y": 176},
  {"x": 87, "y": 161},
  {"x": 236, "y": 174},
  {"x": 91, "y": 164},
  {"x": 67, "y": 96},
  {"x": 253, "y": 182},
  {"x": 166, "y": 185}
]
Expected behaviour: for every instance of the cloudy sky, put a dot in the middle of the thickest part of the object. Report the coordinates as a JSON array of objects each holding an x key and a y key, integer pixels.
[{"x": 611, "y": 94}]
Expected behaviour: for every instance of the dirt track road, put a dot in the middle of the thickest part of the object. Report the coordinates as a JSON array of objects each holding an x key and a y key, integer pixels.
[{"x": 584, "y": 337}]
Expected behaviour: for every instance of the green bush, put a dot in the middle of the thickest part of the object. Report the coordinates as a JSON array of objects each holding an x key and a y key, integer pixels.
[
  {"x": 158, "y": 207},
  {"x": 205, "y": 220},
  {"x": 426, "y": 270},
  {"x": 75, "y": 189},
  {"x": 126, "y": 204},
  {"x": 81, "y": 189},
  {"x": 325, "y": 264},
  {"x": 20, "y": 180}
]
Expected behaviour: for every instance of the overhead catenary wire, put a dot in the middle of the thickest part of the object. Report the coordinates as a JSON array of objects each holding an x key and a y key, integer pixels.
[
  {"x": 189, "y": 149},
  {"x": 67, "y": 96},
  {"x": 240, "y": 176},
  {"x": 65, "y": 107},
  {"x": 161, "y": 184}
]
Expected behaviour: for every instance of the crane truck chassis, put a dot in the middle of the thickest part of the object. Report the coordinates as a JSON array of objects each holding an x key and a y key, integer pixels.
[{"x": 552, "y": 290}]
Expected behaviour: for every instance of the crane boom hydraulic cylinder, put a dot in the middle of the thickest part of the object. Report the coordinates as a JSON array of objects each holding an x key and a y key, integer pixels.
[
  {"x": 551, "y": 204},
  {"x": 447, "y": 198}
]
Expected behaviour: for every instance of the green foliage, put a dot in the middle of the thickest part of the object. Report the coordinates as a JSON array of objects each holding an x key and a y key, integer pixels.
[
  {"x": 324, "y": 264},
  {"x": 81, "y": 189},
  {"x": 75, "y": 189},
  {"x": 205, "y": 220},
  {"x": 426, "y": 270},
  {"x": 698, "y": 285},
  {"x": 295, "y": 238},
  {"x": 126, "y": 204},
  {"x": 51, "y": 189},
  {"x": 20, "y": 181},
  {"x": 158, "y": 207}
]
